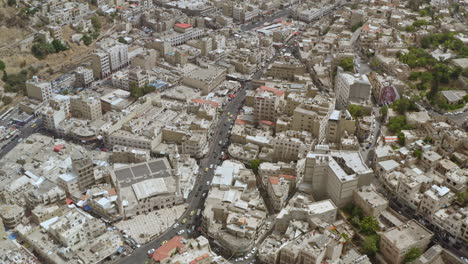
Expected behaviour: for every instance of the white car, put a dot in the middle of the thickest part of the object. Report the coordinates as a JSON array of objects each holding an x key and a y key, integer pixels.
[
  {"x": 175, "y": 226},
  {"x": 249, "y": 255},
  {"x": 181, "y": 232},
  {"x": 151, "y": 251},
  {"x": 208, "y": 182},
  {"x": 211, "y": 166}
]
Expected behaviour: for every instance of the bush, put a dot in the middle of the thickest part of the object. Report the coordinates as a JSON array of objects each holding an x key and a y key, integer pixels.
[
  {"x": 59, "y": 46},
  {"x": 7, "y": 100},
  {"x": 368, "y": 225},
  {"x": 412, "y": 255},
  {"x": 401, "y": 139},
  {"x": 122, "y": 40},
  {"x": 2, "y": 65},
  {"x": 417, "y": 153},
  {"x": 347, "y": 64},
  {"x": 11, "y": 2},
  {"x": 357, "y": 111},
  {"x": 370, "y": 245},
  {"x": 87, "y": 40},
  {"x": 16, "y": 83},
  {"x": 137, "y": 92},
  {"x": 254, "y": 165},
  {"x": 403, "y": 105}
]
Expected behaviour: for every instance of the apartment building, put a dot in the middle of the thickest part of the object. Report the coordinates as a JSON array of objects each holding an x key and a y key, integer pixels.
[
  {"x": 287, "y": 71},
  {"x": 313, "y": 115},
  {"x": 179, "y": 38},
  {"x": 397, "y": 241},
  {"x": 278, "y": 190},
  {"x": 100, "y": 64},
  {"x": 334, "y": 175},
  {"x": 266, "y": 102},
  {"x": 85, "y": 107},
  {"x": 351, "y": 89},
  {"x": 371, "y": 202},
  {"x": 54, "y": 113},
  {"x": 118, "y": 57},
  {"x": 290, "y": 145},
  {"x": 83, "y": 77},
  {"x": 137, "y": 76},
  {"x": 83, "y": 167},
  {"x": 38, "y": 89},
  {"x": 339, "y": 123},
  {"x": 437, "y": 197}
]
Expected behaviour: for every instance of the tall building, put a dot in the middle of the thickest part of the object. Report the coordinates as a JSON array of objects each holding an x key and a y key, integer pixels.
[
  {"x": 339, "y": 122},
  {"x": 138, "y": 77},
  {"x": 266, "y": 102},
  {"x": 100, "y": 64},
  {"x": 39, "y": 89},
  {"x": 83, "y": 77},
  {"x": 351, "y": 88},
  {"x": 84, "y": 168},
  {"x": 334, "y": 175},
  {"x": 85, "y": 107},
  {"x": 118, "y": 57},
  {"x": 397, "y": 241},
  {"x": 313, "y": 115}
]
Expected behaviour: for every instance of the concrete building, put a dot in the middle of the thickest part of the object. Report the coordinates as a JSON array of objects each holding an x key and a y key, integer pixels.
[
  {"x": 351, "y": 89},
  {"x": 83, "y": 168},
  {"x": 138, "y": 77},
  {"x": 85, "y": 107},
  {"x": 11, "y": 214},
  {"x": 83, "y": 77},
  {"x": 437, "y": 197},
  {"x": 100, "y": 64},
  {"x": 371, "y": 202},
  {"x": 205, "y": 78},
  {"x": 266, "y": 102},
  {"x": 397, "y": 241},
  {"x": 39, "y": 89},
  {"x": 146, "y": 187},
  {"x": 313, "y": 116},
  {"x": 334, "y": 175},
  {"x": 118, "y": 57}
]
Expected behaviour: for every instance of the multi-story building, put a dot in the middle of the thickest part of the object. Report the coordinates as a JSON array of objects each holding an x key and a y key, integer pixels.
[
  {"x": 83, "y": 77},
  {"x": 85, "y": 107},
  {"x": 351, "y": 88},
  {"x": 267, "y": 100},
  {"x": 118, "y": 57},
  {"x": 54, "y": 113},
  {"x": 138, "y": 77},
  {"x": 397, "y": 241},
  {"x": 435, "y": 198},
  {"x": 100, "y": 64},
  {"x": 290, "y": 145},
  {"x": 83, "y": 167},
  {"x": 205, "y": 78},
  {"x": 371, "y": 202},
  {"x": 39, "y": 89},
  {"x": 339, "y": 123},
  {"x": 313, "y": 115},
  {"x": 334, "y": 175}
]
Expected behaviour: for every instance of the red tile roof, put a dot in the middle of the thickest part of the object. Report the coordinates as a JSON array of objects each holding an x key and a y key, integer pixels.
[
  {"x": 203, "y": 101},
  {"x": 196, "y": 260},
  {"x": 183, "y": 25},
  {"x": 268, "y": 123},
  {"x": 286, "y": 176},
  {"x": 273, "y": 180},
  {"x": 167, "y": 249},
  {"x": 273, "y": 90},
  {"x": 240, "y": 122}
]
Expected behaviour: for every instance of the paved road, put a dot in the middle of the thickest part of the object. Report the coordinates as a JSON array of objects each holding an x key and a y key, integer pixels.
[
  {"x": 24, "y": 132},
  {"x": 197, "y": 197},
  {"x": 279, "y": 14}
]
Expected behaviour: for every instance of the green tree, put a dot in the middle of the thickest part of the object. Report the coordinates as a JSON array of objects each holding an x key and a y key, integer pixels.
[
  {"x": 254, "y": 165},
  {"x": 370, "y": 245},
  {"x": 87, "y": 40},
  {"x": 356, "y": 111},
  {"x": 368, "y": 225},
  {"x": 122, "y": 40},
  {"x": 462, "y": 197},
  {"x": 58, "y": 45},
  {"x": 401, "y": 139},
  {"x": 7, "y": 100},
  {"x": 403, "y": 105},
  {"x": 2, "y": 65},
  {"x": 398, "y": 123},
  {"x": 347, "y": 64},
  {"x": 428, "y": 140},
  {"x": 96, "y": 23},
  {"x": 357, "y": 26},
  {"x": 384, "y": 111},
  {"x": 11, "y": 2},
  {"x": 417, "y": 154},
  {"x": 412, "y": 255}
]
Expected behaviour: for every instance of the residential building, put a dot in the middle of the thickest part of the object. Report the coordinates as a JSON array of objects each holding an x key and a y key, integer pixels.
[
  {"x": 266, "y": 102},
  {"x": 397, "y": 241},
  {"x": 38, "y": 89},
  {"x": 83, "y": 77},
  {"x": 100, "y": 64},
  {"x": 351, "y": 89},
  {"x": 86, "y": 107}
]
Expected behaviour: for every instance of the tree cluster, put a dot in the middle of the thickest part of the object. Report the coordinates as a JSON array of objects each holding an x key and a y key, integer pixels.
[
  {"x": 447, "y": 40},
  {"x": 347, "y": 64},
  {"x": 404, "y": 105},
  {"x": 357, "y": 111},
  {"x": 138, "y": 91},
  {"x": 41, "y": 48},
  {"x": 398, "y": 123}
]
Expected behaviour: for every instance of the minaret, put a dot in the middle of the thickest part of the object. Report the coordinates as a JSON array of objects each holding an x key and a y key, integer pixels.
[{"x": 175, "y": 167}]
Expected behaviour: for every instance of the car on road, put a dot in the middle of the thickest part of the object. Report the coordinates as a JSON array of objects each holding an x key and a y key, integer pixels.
[
  {"x": 184, "y": 220},
  {"x": 192, "y": 212},
  {"x": 34, "y": 125},
  {"x": 181, "y": 232},
  {"x": 151, "y": 251},
  {"x": 207, "y": 169},
  {"x": 175, "y": 226},
  {"x": 208, "y": 182},
  {"x": 249, "y": 255},
  {"x": 211, "y": 166},
  {"x": 164, "y": 242}
]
